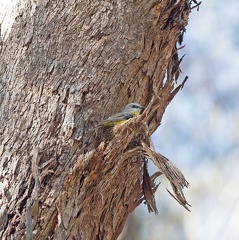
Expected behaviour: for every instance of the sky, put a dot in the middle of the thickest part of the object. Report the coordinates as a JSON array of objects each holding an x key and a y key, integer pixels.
[{"x": 200, "y": 133}]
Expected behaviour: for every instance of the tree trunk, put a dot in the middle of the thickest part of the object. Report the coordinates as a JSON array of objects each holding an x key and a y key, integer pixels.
[{"x": 65, "y": 66}]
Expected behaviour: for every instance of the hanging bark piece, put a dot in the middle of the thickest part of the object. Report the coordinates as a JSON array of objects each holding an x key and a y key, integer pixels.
[
  {"x": 173, "y": 174},
  {"x": 149, "y": 188}
]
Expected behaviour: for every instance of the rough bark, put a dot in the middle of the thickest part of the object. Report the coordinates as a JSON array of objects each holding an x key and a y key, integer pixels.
[{"x": 65, "y": 66}]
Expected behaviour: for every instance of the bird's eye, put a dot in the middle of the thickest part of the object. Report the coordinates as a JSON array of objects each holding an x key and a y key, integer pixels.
[{"x": 134, "y": 106}]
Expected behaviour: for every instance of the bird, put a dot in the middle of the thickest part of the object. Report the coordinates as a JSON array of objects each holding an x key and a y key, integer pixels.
[{"x": 131, "y": 110}]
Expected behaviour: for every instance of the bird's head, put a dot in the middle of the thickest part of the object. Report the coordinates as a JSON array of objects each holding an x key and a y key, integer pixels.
[{"x": 133, "y": 108}]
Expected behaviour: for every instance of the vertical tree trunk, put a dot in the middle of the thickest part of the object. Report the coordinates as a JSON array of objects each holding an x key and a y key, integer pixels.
[{"x": 65, "y": 66}]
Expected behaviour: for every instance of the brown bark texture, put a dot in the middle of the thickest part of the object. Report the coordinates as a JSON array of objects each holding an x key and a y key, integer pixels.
[{"x": 65, "y": 66}]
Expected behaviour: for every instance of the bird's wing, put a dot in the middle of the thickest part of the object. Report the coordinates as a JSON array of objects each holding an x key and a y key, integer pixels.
[
  {"x": 120, "y": 116},
  {"x": 116, "y": 118}
]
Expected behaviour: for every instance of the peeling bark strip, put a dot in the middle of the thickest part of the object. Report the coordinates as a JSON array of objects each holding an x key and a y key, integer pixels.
[
  {"x": 173, "y": 174},
  {"x": 65, "y": 66}
]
